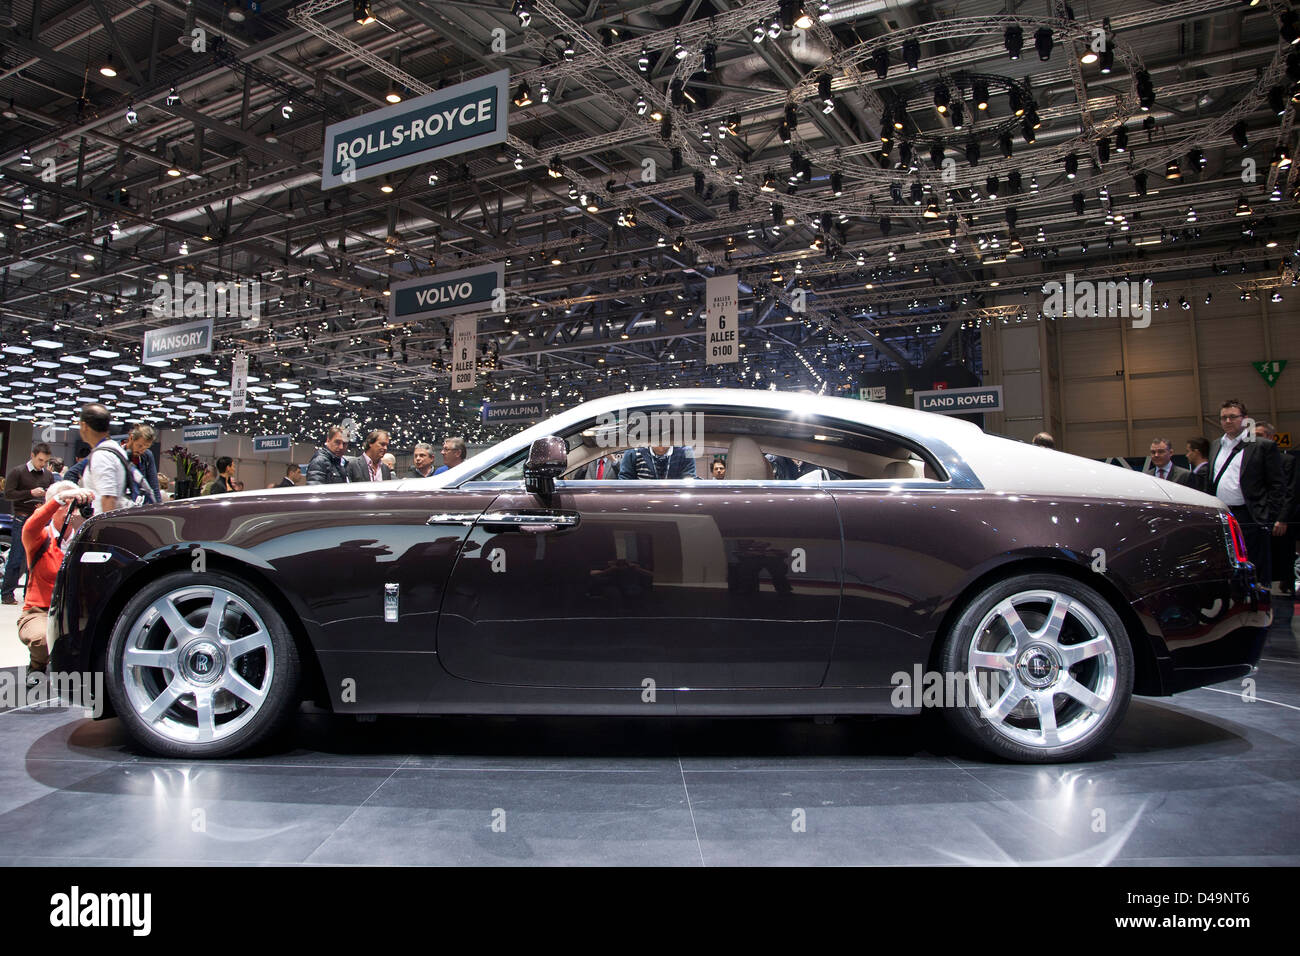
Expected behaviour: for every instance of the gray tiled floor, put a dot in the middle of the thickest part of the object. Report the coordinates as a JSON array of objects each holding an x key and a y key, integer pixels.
[{"x": 1202, "y": 778}]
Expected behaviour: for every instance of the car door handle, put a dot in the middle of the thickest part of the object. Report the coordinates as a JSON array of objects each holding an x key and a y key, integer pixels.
[
  {"x": 453, "y": 517},
  {"x": 531, "y": 523}
]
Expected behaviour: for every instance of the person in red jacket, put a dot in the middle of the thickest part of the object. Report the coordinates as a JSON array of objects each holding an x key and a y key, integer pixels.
[{"x": 44, "y": 534}]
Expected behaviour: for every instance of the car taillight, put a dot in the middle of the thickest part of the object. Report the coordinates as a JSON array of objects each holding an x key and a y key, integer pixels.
[{"x": 1235, "y": 541}]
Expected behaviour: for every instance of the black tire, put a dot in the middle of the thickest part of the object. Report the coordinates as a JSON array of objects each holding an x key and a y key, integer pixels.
[
  {"x": 1110, "y": 673},
  {"x": 247, "y": 724}
]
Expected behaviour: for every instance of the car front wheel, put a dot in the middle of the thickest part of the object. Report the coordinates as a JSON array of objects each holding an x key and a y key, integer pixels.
[
  {"x": 201, "y": 665},
  {"x": 1046, "y": 667}
]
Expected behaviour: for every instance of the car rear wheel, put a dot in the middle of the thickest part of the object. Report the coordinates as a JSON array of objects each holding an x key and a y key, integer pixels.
[
  {"x": 1046, "y": 668},
  {"x": 201, "y": 665}
]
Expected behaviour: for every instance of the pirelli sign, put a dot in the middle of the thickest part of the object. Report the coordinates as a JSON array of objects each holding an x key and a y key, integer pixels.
[{"x": 453, "y": 120}]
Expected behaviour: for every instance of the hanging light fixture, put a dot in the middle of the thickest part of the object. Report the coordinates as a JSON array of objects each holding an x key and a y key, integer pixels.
[
  {"x": 1172, "y": 170},
  {"x": 1013, "y": 38},
  {"x": 912, "y": 54},
  {"x": 523, "y": 95},
  {"x": 107, "y": 69}
]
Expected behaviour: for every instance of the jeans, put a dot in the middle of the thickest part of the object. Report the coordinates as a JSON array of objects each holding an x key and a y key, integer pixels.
[{"x": 17, "y": 562}]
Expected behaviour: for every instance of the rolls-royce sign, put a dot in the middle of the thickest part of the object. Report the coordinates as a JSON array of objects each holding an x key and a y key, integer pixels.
[
  {"x": 465, "y": 290},
  {"x": 453, "y": 120}
]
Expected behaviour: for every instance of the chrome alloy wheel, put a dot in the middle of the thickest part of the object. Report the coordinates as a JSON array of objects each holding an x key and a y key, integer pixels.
[
  {"x": 1041, "y": 668},
  {"x": 198, "y": 663}
]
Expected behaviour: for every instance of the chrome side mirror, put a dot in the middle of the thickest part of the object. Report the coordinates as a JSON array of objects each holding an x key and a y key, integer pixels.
[{"x": 547, "y": 459}]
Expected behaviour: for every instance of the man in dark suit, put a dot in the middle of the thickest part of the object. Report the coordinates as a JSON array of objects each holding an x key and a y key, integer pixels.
[
  {"x": 327, "y": 465},
  {"x": 1198, "y": 456},
  {"x": 291, "y": 476},
  {"x": 1246, "y": 474},
  {"x": 604, "y": 468},
  {"x": 660, "y": 461},
  {"x": 369, "y": 465},
  {"x": 1283, "y": 556},
  {"x": 1161, "y": 466}
]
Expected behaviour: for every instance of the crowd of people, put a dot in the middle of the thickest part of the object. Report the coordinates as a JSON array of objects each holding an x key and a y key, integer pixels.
[{"x": 330, "y": 465}]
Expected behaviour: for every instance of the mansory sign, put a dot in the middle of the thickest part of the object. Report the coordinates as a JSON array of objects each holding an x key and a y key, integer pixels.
[
  {"x": 454, "y": 120},
  {"x": 178, "y": 341}
]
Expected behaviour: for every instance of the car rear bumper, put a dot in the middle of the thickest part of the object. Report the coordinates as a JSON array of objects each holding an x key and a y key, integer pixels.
[{"x": 1212, "y": 630}]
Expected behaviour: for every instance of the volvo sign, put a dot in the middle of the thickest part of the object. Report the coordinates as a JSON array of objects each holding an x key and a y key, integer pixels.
[
  {"x": 453, "y": 120},
  {"x": 466, "y": 290}
]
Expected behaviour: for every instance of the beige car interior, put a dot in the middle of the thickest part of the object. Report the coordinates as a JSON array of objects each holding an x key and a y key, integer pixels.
[{"x": 746, "y": 462}]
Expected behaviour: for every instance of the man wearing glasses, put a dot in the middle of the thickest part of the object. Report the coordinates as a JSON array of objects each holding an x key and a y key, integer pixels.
[{"x": 1246, "y": 474}]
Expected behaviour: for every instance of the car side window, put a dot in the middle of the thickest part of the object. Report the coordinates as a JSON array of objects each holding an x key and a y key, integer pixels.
[{"x": 733, "y": 444}]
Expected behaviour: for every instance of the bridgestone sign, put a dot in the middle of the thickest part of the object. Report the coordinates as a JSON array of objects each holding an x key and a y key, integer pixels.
[
  {"x": 178, "y": 341},
  {"x": 466, "y": 290},
  {"x": 454, "y": 120}
]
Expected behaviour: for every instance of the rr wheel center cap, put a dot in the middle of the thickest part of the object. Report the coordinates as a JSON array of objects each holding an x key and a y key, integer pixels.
[
  {"x": 202, "y": 662},
  {"x": 1038, "y": 666}
]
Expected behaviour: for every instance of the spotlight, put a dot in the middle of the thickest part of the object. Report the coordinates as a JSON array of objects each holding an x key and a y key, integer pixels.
[
  {"x": 958, "y": 116},
  {"x": 1239, "y": 134},
  {"x": 1140, "y": 183},
  {"x": 774, "y": 27},
  {"x": 184, "y": 248},
  {"x": 1282, "y": 157},
  {"x": 520, "y": 10},
  {"x": 991, "y": 187},
  {"x": 1103, "y": 149},
  {"x": 1277, "y": 100},
  {"x": 880, "y": 62},
  {"x": 1027, "y": 131},
  {"x": 980, "y": 94},
  {"x": 1043, "y": 43},
  {"x": 1121, "y": 140},
  {"x": 519, "y": 162},
  {"x": 785, "y": 133},
  {"x": 1077, "y": 200},
  {"x": 710, "y": 53},
  {"x": 641, "y": 106},
  {"x": 916, "y": 193},
  {"x": 1106, "y": 60},
  {"x": 433, "y": 176},
  {"x": 643, "y": 61},
  {"x": 132, "y": 117},
  {"x": 523, "y": 95},
  {"x": 759, "y": 33},
  {"x": 1013, "y": 181},
  {"x": 108, "y": 69},
  {"x": 973, "y": 152},
  {"x": 942, "y": 98},
  {"x": 676, "y": 159},
  {"x": 172, "y": 97},
  {"x": 1288, "y": 29},
  {"x": 556, "y": 168},
  {"x": 1172, "y": 170},
  {"x": 912, "y": 54},
  {"x": 25, "y": 159},
  {"x": 1146, "y": 90},
  {"x": 900, "y": 115},
  {"x": 1243, "y": 207},
  {"x": 679, "y": 51},
  {"x": 542, "y": 91},
  {"x": 393, "y": 95},
  {"x": 386, "y": 187},
  {"x": 885, "y": 225},
  {"x": 936, "y": 155},
  {"x": 802, "y": 19},
  {"x": 837, "y": 184},
  {"x": 1014, "y": 40},
  {"x": 287, "y": 109},
  {"x": 931, "y": 209},
  {"x": 361, "y": 12},
  {"x": 1071, "y": 166}
]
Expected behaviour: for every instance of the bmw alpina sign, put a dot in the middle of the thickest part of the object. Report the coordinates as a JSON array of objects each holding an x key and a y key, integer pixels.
[
  {"x": 177, "y": 341},
  {"x": 521, "y": 411},
  {"x": 453, "y": 120},
  {"x": 466, "y": 290},
  {"x": 960, "y": 401}
]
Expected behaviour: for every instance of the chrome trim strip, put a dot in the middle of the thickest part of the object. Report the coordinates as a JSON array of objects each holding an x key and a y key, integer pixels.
[
  {"x": 96, "y": 557},
  {"x": 453, "y": 517}
]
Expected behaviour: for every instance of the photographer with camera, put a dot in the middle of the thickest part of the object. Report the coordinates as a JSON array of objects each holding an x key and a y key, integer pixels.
[{"x": 65, "y": 507}]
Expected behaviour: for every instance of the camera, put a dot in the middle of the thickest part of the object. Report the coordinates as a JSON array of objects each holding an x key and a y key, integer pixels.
[{"x": 86, "y": 509}]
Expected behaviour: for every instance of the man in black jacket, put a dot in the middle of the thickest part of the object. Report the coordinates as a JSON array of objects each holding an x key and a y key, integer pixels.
[
  {"x": 660, "y": 461},
  {"x": 327, "y": 466},
  {"x": 1246, "y": 473},
  {"x": 1198, "y": 456},
  {"x": 1283, "y": 556}
]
